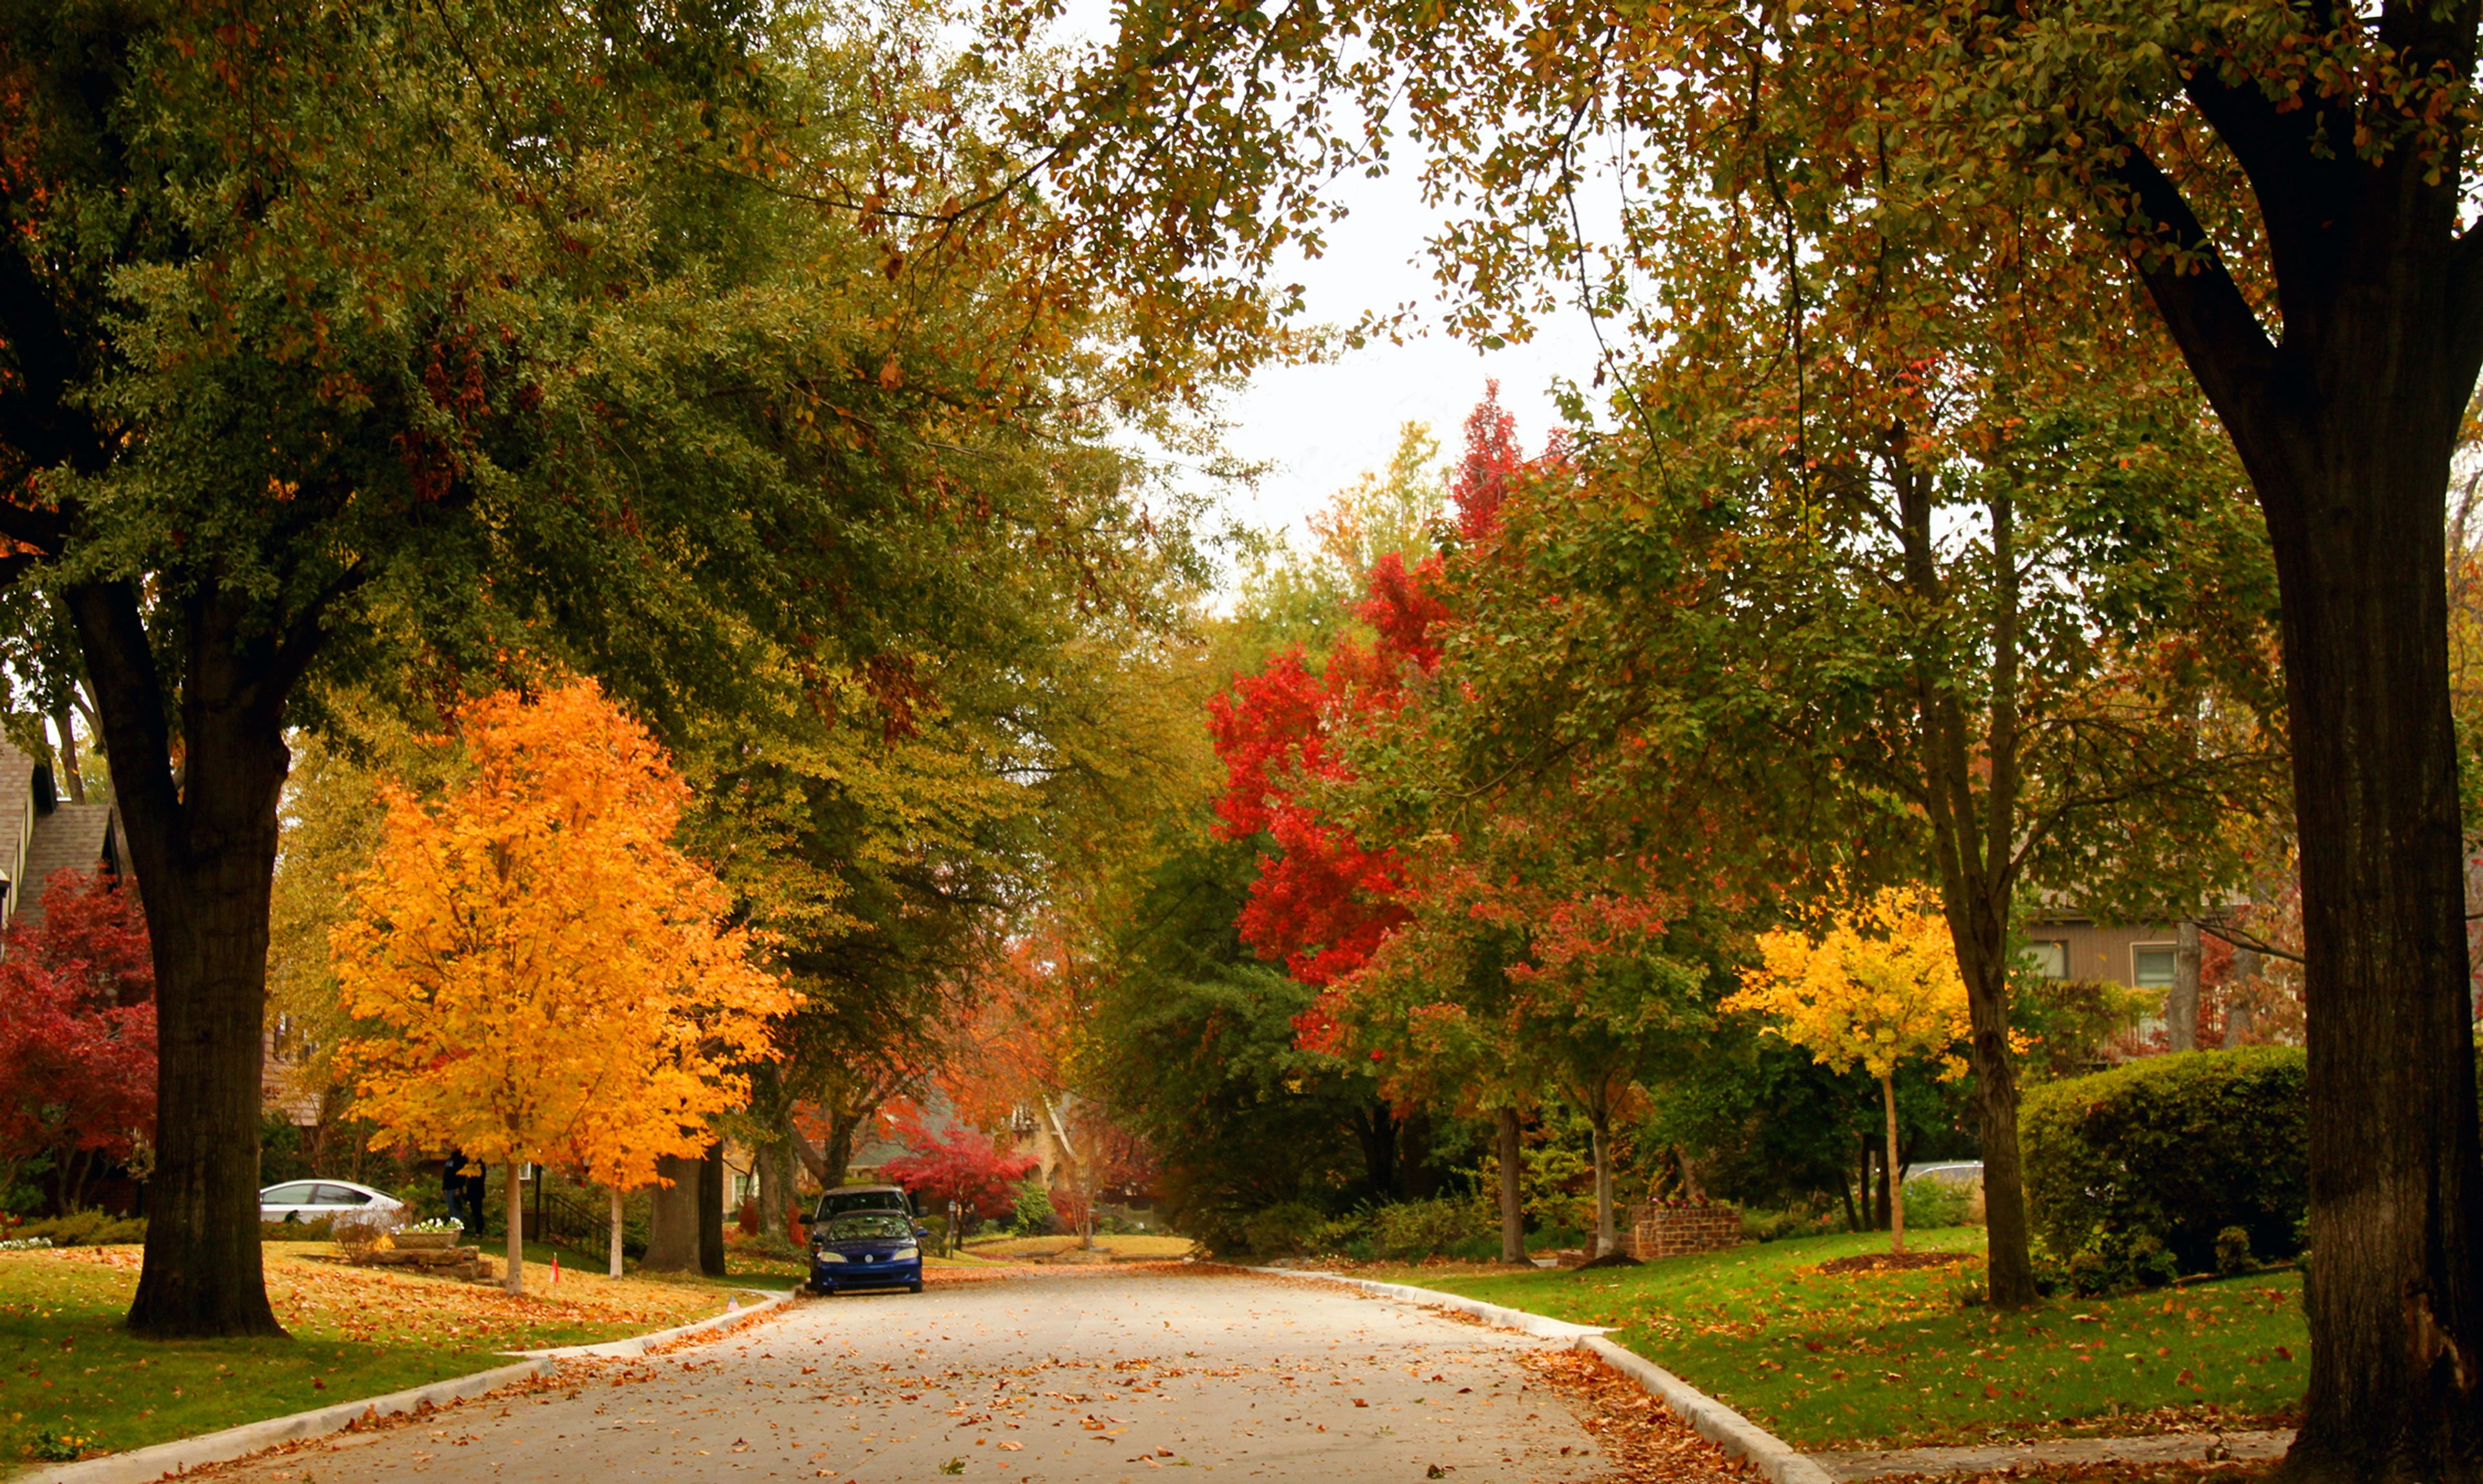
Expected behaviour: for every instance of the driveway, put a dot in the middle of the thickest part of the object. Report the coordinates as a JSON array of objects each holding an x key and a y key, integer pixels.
[{"x": 1054, "y": 1378}]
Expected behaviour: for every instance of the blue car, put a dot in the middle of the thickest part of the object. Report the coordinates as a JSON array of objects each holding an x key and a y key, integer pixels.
[{"x": 865, "y": 1249}]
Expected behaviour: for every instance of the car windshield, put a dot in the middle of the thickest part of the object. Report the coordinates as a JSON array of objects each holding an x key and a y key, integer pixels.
[
  {"x": 837, "y": 1201},
  {"x": 867, "y": 1226}
]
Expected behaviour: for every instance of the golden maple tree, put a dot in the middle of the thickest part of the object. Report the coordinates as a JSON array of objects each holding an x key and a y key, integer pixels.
[
  {"x": 1878, "y": 988},
  {"x": 558, "y": 979}
]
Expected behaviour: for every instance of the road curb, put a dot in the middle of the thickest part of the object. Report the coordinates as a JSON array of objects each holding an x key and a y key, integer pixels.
[
  {"x": 142, "y": 1465},
  {"x": 638, "y": 1344},
  {"x": 1536, "y": 1325},
  {"x": 1780, "y": 1460},
  {"x": 183, "y": 1454}
]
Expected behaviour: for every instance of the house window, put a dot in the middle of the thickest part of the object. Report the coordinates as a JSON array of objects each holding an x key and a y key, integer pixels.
[
  {"x": 2150, "y": 965},
  {"x": 2051, "y": 959}
]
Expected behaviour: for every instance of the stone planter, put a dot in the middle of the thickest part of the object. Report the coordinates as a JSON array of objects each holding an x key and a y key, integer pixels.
[
  {"x": 1671, "y": 1230},
  {"x": 424, "y": 1241}
]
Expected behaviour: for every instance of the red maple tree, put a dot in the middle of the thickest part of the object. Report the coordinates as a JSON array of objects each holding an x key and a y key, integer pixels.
[
  {"x": 78, "y": 1034},
  {"x": 961, "y": 1165},
  {"x": 1323, "y": 902}
]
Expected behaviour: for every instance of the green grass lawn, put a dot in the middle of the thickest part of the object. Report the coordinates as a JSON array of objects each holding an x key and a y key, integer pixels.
[
  {"x": 68, "y": 1371},
  {"x": 1884, "y": 1360}
]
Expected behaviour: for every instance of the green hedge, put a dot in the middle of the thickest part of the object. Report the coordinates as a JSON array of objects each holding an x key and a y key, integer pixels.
[{"x": 2176, "y": 1148}]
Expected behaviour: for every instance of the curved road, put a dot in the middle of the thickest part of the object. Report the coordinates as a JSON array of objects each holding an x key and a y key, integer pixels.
[{"x": 1041, "y": 1380}]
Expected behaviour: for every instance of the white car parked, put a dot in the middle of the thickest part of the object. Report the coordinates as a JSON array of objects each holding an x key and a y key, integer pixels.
[{"x": 316, "y": 1200}]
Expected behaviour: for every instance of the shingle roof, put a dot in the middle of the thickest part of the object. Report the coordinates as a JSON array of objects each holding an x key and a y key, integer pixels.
[{"x": 68, "y": 839}]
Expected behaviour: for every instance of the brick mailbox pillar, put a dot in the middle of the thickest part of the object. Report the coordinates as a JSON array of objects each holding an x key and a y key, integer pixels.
[{"x": 1671, "y": 1230}]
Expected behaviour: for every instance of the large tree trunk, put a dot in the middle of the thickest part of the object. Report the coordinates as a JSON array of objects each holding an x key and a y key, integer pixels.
[
  {"x": 2395, "y": 1315},
  {"x": 2347, "y": 424},
  {"x": 711, "y": 1216},
  {"x": 1513, "y": 1191},
  {"x": 205, "y": 857},
  {"x": 673, "y": 1226},
  {"x": 614, "y": 1255}
]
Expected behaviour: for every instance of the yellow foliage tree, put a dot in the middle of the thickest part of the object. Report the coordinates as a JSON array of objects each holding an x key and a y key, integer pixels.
[
  {"x": 1880, "y": 988},
  {"x": 556, "y": 978}
]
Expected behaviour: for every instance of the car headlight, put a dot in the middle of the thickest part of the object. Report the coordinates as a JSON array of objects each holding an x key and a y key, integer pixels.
[
  {"x": 829, "y": 1257},
  {"x": 908, "y": 1254}
]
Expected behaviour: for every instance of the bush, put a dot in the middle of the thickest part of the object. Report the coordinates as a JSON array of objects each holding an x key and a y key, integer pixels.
[
  {"x": 84, "y": 1228},
  {"x": 1802, "y": 1219},
  {"x": 296, "y": 1231},
  {"x": 1931, "y": 1202},
  {"x": 1284, "y": 1230},
  {"x": 2233, "y": 1251},
  {"x": 1031, "y": 1210},
  {"x": 2174, "y": 1149},
  {"x": 2118, "y": 1261},
  {"x": 1422, "y": 1229}
]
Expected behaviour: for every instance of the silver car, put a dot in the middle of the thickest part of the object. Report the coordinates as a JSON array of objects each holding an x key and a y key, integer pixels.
[{"x": 316, "y": 1200}]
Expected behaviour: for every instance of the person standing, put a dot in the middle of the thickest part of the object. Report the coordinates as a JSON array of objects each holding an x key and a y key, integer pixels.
[
  {"x": 452, "y": 1186},
  {"x": 478, "y": 1221}
]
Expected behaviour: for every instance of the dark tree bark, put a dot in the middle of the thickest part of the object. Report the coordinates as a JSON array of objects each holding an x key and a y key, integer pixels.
[
  {"x": 2347, "y": 424},
  {"x": 772, "y": 1153},
  {"x": 711, "y": 1212},
  {"x": 1374, "y": 1128},
  {"x": 673, "y": 1226},
  {"x": 775, "y": 1162},
  {"x": 204, "y": 855},
  {"x": 1416, "y": 1178},
  {"x": 1512, "y": 1192}
]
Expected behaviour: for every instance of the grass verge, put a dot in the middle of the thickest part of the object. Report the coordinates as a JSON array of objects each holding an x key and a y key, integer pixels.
[
  {"x": 68, "y": 1371},
  {"x": 1897, "y": 1359}
]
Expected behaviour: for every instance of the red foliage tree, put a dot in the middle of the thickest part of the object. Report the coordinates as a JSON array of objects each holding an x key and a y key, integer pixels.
[
  {"x": 78, "y": 1034},
  {"x": 962, "y": 1165},
  {"x": 1323, "y": 902}
]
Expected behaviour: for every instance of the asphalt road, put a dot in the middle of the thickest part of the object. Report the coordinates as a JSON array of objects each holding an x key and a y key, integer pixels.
[{"x": 1040, "y": 1379}]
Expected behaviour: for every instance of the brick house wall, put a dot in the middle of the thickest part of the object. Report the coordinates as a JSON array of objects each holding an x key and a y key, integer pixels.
[{"x": 1671, "y": 1230}]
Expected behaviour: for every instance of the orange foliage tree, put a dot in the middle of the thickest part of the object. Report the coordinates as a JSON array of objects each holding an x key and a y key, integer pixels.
[{"x": 556, "y": 978}]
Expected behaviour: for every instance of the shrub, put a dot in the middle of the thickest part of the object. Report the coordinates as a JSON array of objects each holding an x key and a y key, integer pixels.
[
  {"x": 296, "y": 1231},
  {"x": 1931, "y": 1202},
  {"x": 2177, "y": 1148},
  {"x": 1282, "y": 1230},
  {"x": 1421, "y": 1229},
  {"x": 84, "y": 1228},
  {"x": 2118, "y": 1261},
  {"x": 1031, "y": 1210},
  {"x": 2233, "y": 1251},
  {"x": 1798, "y": 1220}
]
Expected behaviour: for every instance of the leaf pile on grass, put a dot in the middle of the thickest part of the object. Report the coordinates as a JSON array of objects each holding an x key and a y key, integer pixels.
[
  {"x": 1830, "y": 1360},
  {"x": 66, "y": 1366}
]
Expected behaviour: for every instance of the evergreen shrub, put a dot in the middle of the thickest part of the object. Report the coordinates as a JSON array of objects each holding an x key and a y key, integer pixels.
[
  {"x": 1284, "y": 1230},
  {"x": 2135, "y": 1174},
  {"x": 1421, "y": 1229}
]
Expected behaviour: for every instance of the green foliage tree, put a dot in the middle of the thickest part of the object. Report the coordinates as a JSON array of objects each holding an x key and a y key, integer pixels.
[{"x": 712, "y": 351}]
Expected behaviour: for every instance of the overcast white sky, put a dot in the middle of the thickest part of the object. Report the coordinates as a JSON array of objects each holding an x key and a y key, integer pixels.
[{"x": 1319, "y": 426}]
